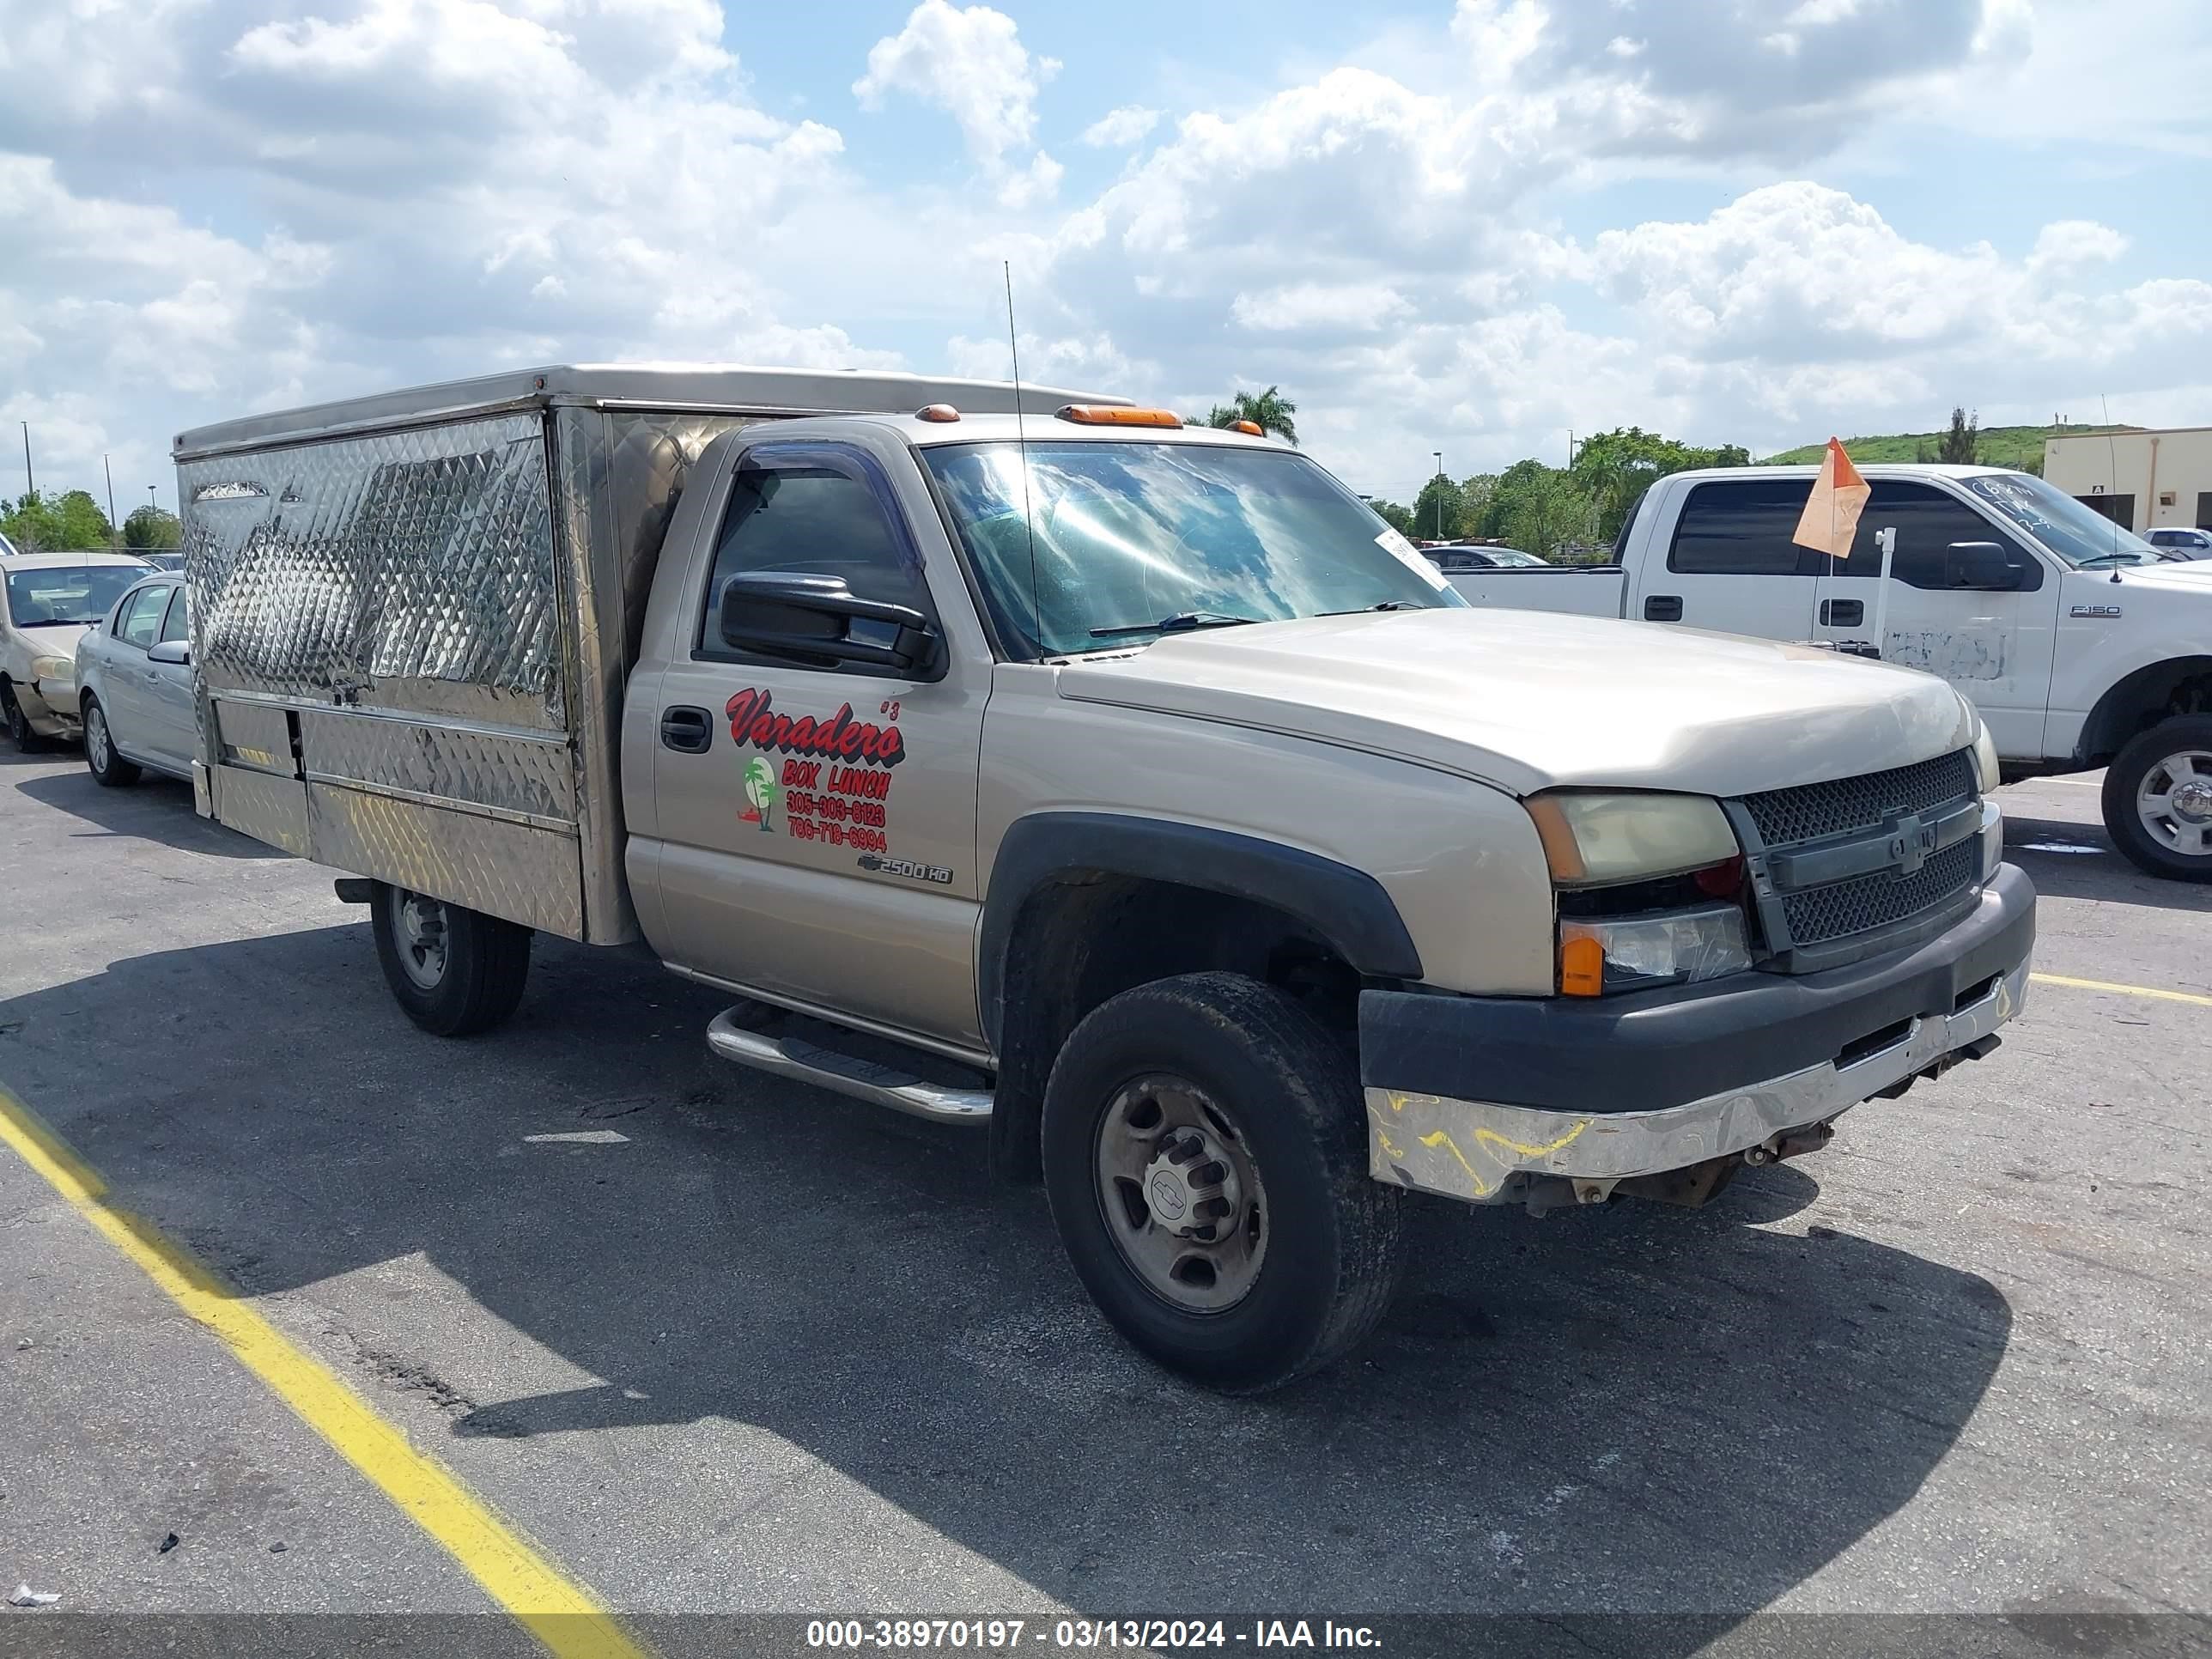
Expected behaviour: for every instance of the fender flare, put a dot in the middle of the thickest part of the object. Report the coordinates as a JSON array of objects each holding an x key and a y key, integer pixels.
[{"x": 1346, "y": 906}]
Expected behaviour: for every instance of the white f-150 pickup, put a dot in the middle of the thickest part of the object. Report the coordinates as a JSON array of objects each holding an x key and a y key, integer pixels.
[{"x": 2081, "y": 644}]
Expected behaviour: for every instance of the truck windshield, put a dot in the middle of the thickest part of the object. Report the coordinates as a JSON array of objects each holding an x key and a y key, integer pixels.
[
  {"x": 1136, "y": 539},
  {"x": 2078, "y": 534}
]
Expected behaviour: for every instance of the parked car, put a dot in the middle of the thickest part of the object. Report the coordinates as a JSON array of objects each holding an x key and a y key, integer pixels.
[
  {"x": 2082, "y": 644},
  {"x": 1450, "y": 558},
  {"x": 1182, "y": 829},
  {"x": 135, "y": 684},
  {"x": 2185, "y": 542},
  {"x": 164, "y": 560},
  {"x": 46, "y": 600}
]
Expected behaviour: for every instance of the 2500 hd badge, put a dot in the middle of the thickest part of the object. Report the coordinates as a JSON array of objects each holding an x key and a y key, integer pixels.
[{"x": 876, "y": 867}]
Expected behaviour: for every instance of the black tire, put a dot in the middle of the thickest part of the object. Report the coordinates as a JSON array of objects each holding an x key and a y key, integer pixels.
[
  {"x": 100, "y": 758},
  {"x": 1291, "y": 1095},
  {"x": 2147, "y": 753},
  {"x": 26, "y": 741},
  {"x": 483, "y": 964}
]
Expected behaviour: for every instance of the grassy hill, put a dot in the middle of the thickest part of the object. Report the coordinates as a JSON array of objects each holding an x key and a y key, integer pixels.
[{"x": 2001, "y": 446}]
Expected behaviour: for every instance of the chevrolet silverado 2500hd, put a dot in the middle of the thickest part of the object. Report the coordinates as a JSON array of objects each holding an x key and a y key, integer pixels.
[
  {"x": 1127, "y": 790},
  {"x": 2081, "y": 644}
]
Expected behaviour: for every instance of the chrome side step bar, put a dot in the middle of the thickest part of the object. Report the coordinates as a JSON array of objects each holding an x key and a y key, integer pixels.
[{"x": 847, "y": 1074}]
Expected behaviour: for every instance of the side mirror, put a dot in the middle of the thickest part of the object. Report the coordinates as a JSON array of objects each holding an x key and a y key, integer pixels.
[
  {"x": 1986, "y": 567},
  {"x": 177, "y": 652},
  {"x": 820, "y": 622}
]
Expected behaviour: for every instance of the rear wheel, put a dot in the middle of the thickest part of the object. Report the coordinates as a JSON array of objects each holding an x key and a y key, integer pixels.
[
  {"x": 107, "y": 767},
  {"x": 1205, "y": 1155},
  {"x": 25, "y": 740},
  {"x": 455, "y": 971},
  {"x": 2158, "y": 799}
]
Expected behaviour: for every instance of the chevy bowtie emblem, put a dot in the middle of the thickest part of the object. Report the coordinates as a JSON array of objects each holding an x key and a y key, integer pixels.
[{"x": 1911, "y": 841}]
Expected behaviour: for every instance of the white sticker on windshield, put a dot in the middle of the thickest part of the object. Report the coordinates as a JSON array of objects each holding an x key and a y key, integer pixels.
[{"x": 1392, "y": 543}]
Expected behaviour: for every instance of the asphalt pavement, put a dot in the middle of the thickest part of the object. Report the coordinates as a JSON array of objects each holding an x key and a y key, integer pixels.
[{"x": 715, "y": 1343}]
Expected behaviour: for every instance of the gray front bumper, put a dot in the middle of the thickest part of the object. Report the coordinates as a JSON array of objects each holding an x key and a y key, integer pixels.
[{"x": 1471, "y": 1149}]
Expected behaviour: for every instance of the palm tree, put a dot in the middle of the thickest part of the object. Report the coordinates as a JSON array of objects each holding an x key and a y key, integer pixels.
[{"x": 1269, "y": 411}]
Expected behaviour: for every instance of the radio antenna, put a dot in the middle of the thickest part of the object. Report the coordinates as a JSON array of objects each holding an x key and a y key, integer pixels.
[{"x": 1022, "y": 443}]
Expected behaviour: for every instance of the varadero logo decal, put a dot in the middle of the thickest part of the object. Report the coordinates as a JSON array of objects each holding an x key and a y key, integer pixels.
[
  {"x": 876, "y": 867},
  {"x": 2097, "y": 612},
  {"x": 838, "y": 738}
]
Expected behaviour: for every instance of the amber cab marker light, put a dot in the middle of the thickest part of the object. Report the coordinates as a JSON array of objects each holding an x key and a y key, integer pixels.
[
  {"x": 937, "y": 412},
  {"x": 1111, "y": 415},
  {"x": 1249, "y": 428},
  {"x": 1582, "y": 968}
]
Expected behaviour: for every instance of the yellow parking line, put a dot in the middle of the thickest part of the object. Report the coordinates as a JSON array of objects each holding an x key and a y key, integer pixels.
[
  {"x": 2124, "y": 990},
  {"x": 560, "y": 1615}
]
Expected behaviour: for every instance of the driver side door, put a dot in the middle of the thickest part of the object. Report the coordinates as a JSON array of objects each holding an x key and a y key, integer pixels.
[{"x": 817, "y": 822}]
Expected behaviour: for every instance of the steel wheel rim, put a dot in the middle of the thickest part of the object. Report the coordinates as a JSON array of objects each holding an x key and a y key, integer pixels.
[
  {"x": 1180, "y": 1194},
  {"x": 418, "y": 928},
  {"x": 95, "y": 736},
  {"x": 2174, "y": 803}
]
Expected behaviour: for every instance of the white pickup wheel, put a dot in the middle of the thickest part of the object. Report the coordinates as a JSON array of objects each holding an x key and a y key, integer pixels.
[
  {"x": 1205, "y": 1157},
  {"x": 454, "y": 971},
  {"x": 2158, "y": 799}
]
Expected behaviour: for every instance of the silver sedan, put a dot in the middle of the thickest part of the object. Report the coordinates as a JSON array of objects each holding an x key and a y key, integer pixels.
[{"x": 135, "y": 684}]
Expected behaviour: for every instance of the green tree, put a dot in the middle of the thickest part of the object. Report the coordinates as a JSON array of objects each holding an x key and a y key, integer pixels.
[
  {"x": 1547, "y": 512},
  {"x": 1269, "y": 411},
  {"x": 150, "y": 527},
  {"x": 1613, "y": 469},
  {"x": 1397, "y": 517},
  {"x": 1438, "y": 511},
  {"x": 67, "y": 523},
  {"x": 1959, "y": 445},
  {"x": 1477, "y": 492}
]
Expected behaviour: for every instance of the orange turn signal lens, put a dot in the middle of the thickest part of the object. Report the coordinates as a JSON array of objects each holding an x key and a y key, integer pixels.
[
  {"x": 1250, "y": 428},
  {"x": 1582, "y": 968},
  {"x": 1112, "y": 415},
  {"x": 937, "y": 412}
]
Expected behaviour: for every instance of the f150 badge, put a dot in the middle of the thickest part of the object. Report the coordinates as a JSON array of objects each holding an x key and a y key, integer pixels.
[{"x": 2096, "y": 612}]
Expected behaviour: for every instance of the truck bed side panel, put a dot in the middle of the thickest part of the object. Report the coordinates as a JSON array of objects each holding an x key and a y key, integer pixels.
[
  {"x": 1594, "y": 592},
  {"x": 380, "y": 628}
]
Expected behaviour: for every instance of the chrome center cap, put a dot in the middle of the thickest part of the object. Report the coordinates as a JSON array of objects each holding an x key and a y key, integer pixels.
[
  {"x": 2193, "y": 800},
  {"x": 1190, "y": 1187}
]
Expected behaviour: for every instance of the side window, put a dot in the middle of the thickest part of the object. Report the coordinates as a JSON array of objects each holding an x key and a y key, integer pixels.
[
  {"x": 1927, "y": 521},
  {"x": 1740, "y": 529},
  {"x": 177, "y": 625},
  {"x": 140, "y": 624},
  {"x": 811, "y": 519}
]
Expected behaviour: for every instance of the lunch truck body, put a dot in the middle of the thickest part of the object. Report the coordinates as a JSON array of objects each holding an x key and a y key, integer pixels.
[
  {"x": 2080, "y": 644},
  {"x": 1126, "y": 791}
]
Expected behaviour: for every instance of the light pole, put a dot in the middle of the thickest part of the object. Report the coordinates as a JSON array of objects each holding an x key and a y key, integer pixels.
[
  {"x": 115, "y": 529},
  {"x": 30, "y": 479},
  {"x": 150, "y": 502},
  {"x": 1439, "y": 488}
]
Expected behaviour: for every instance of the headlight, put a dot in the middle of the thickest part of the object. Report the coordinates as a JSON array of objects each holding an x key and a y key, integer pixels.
[
  {"x": 1986, "y": 773},
  {"x": 54, "y": 668},
  {"x": 1590, "y": 839},
  {"x": 1599, "y": 954}
]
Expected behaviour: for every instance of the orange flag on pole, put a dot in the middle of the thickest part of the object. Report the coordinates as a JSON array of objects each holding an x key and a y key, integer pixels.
[{"x": 1831, "y": 511}]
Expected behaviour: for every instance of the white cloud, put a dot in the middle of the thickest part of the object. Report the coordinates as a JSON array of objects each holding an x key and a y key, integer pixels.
[
  {"x": 1357, "y": 307},
  {"x": 1120, "y": 128},
  {"x": 971, "y": 63}
]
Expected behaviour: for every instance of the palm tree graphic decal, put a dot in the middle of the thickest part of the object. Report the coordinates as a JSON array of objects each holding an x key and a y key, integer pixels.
[{"x": 761, "y": 790}]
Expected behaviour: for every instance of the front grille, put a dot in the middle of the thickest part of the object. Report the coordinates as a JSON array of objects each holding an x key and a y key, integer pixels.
[
  {"x": 1813, "y": 812},
  {"x": 1819, "y": 914}
]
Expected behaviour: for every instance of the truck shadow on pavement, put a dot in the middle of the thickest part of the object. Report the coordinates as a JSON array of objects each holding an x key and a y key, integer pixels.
[
  {"x": 2071, "y": 860},
  {"x": 155, "y": 808},
  {"x": 1624, "y": 1409}
]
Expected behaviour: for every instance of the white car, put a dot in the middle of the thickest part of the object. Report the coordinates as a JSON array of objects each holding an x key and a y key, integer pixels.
[
  {"x": 134, "y": 679},
  {"x": 46, "y": 600},
  {"x": 2181, "y": 543}
]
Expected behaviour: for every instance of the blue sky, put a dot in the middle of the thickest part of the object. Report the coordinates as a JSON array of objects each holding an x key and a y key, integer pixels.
[{"x": 1469, "y": 225}]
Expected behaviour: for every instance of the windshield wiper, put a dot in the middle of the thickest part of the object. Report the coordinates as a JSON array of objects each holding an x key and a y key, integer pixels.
[
  {"x": 1182, "y": 622},
  {"x": 2129, "y": 556},
  {"x": 1387, "y": 604}
]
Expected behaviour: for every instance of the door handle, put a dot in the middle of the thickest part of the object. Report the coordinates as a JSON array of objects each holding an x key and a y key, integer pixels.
[
  {"x": 686, "y": 730},
  {"x": 1663, "y": 607},
  {"x": 1843, "y": 613}
]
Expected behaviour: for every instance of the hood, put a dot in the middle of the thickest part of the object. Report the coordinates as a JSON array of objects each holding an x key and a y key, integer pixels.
[
  {"x": 2167, "y": 575},
  {"x": 1526, "y": 700}
]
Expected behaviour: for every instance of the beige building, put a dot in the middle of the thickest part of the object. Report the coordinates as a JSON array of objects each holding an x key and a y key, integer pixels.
[{"x": 2139, "y": 479}]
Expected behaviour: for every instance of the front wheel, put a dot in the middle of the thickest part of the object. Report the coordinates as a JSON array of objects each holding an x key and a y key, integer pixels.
[
  {"x": 2158, "y": 799},
  {"x": 455, "y": 971},
  {"x": 26, "y": 741},
  {"x": 1205, "y": 1156},
  {"x": 107, "y": 767}
]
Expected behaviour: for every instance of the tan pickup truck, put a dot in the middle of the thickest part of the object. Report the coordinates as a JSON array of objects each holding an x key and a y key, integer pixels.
[{"x": 1127, "y": 790}]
